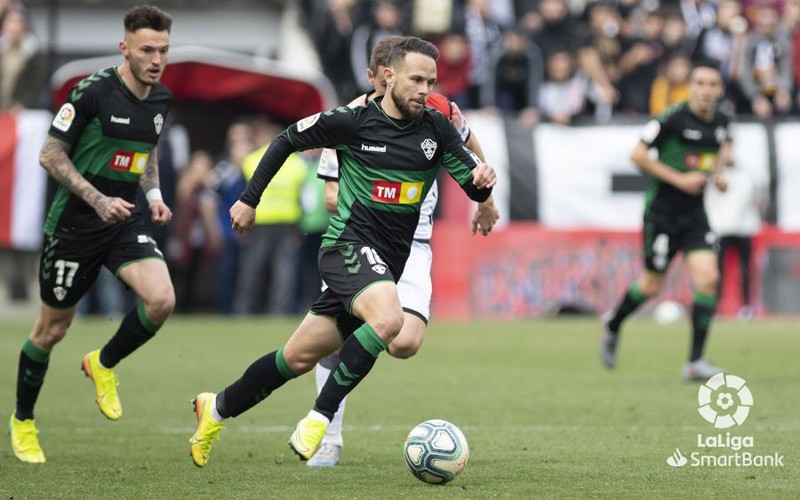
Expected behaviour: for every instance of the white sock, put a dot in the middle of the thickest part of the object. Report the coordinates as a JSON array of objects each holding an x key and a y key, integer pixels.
[
  {"x": 334, "y": 433},
  {"x": 318, "y": 416},
  {"x": 214, "y": 413}
]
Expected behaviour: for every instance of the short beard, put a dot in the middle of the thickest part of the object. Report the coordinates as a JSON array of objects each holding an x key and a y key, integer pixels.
[{"x": 404, "y": 108}]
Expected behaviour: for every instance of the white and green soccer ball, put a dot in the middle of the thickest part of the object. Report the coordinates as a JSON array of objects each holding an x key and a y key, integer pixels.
[{"x": 436, "y": 451}]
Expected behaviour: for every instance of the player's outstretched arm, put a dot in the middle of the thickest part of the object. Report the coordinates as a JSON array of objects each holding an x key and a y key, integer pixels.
[
  {"x": 54, "y": 157},
  {"x": 160, "y": 213}
]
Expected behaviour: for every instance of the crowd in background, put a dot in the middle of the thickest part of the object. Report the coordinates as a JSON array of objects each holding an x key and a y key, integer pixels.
[
  {"x": 558, "y": 61},
  {"x": 566, "y": 60}
]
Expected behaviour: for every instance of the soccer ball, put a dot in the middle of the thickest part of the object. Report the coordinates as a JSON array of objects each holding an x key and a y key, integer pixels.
[
  {"x": 668, "y": 312},
  {"x": 436, "y": 451}
]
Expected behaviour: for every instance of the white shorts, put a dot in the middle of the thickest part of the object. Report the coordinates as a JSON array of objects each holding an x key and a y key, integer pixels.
[{"x": 415, "y": 287}]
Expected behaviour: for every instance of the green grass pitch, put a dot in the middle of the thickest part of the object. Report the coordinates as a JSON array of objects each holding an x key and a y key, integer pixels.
[{"x": 542, "y": 417}]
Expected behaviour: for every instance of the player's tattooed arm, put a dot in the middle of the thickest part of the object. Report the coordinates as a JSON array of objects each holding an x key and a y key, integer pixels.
[
  {"x": 149, "y": 179},
  {"x": 54, "y": 157},
  {"x": 160, "y": 213}
]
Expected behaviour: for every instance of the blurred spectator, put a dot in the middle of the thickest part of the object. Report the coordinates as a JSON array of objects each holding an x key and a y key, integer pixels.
[
  {"x": 643, "y": 53},
  {"x": 515, "y": 78},
  {"x": 697, "y": 15},
  {"x": 330, "y": 26},
  {"x": 672, "y": 86},
  {"x": 196, "y": 235},
  {"x": 604, "y": 32},
  {"x": 386, "y": 20},
  {"x": 22, "y": 63},
  {"x": 766, "y": 68},
  {"x": 453, "y": 67},
  {"x": 791, "y": 23},
  {"x": 674, "y": 36},
  {"x": 724, "y": 44},
  {"x": 736, "y": 217},
  {"x": 563, "y": 93},
  {"x": 269, "y": 250},
  {"x": 228, "y": 183},
  {"x": 485, "y": 38},
  {"x": 559, "y": 29}
]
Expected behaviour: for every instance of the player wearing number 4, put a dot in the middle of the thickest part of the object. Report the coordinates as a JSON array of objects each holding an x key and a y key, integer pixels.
[
  {"x": 693, "y": 141},
  {"x": 391, "y": 151},
  {"x": 414, "y": 287},
  {"x": 101, "y": 149}
]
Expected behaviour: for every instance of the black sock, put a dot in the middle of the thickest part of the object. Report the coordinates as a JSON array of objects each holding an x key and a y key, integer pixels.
[
  {"x": 632, "y": 300},
  {"x": 259, "y": 380},
  {"x": 703, "y": 311},
  {"x": 30, "y": 376},
  {"x": 356, "y": 358},
  {"x": 133, "y": 332}
]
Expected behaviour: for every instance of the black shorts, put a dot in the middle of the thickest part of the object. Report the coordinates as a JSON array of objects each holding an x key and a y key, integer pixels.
[
  {"x": 665, "y": 235},
  {"x": 347, "y": 270},
  {"x": 69, "y": 267}
]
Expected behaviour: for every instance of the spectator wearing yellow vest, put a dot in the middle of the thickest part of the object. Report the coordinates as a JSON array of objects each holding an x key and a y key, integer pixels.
[{"x": 269, "y": 251}]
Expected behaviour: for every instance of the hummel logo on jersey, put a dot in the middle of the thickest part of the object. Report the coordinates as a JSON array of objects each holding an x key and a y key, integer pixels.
[
  {"x": 122, "y": 121},
  {"x": 127, "y": 161},
  {"x": 429, "y": 148},
  {"x": 374, "y": 149},
  {"x": 397, "y": 192},
  {"x": 694, "y": 135}
]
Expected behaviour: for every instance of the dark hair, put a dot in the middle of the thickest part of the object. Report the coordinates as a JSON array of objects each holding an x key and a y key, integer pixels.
[
  {"x": 706, "y": 63},
  {"x": 147, "y": 16},
  {"x": 380, "y": 52},
  {"x": 412, "y": 44}
]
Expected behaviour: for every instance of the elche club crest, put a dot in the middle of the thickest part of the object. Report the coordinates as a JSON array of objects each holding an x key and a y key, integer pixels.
[
  {"x": 158, "y": 121},
  {"x": 428, "y": 147}
]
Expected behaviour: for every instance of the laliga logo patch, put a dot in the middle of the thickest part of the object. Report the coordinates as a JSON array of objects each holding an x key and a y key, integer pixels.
[
  {"x": 429, "y": 148},
  {"x": 63, "y": 119},
  {"x": 307, "y": 122},
  {"x": 158, "y": 121},
  {"x": 379, "y": 268}
]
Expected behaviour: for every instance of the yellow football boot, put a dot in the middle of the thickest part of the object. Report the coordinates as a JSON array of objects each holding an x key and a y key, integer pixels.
[
  {"x": 207, "y": 429},
  {"x": 307, "y": 436},
  {"x": 105, "y": 385},
  {"x": 24, "y": 441}
]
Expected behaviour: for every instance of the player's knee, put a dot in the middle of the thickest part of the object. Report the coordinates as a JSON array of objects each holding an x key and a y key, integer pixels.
[
  {"x": 48, "y": 335},
  {"x": 300, "y": 362},
  {"x": 706, "y": 281},
  {"x": 650, "y": 287},
  {"x": 161, "y": 306},
  {"x": 388, "y": 325}
]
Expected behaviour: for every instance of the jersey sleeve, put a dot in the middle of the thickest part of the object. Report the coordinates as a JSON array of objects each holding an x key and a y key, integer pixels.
[
  {"x": 80, "y": 107},
  {"x": 331, "y": 129},
  {"x": 654, "y": 132},
  {"x": 459, "y": 161}
]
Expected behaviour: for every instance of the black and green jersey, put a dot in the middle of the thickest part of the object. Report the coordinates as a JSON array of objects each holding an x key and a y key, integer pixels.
[
  {"x": 112, "y": 133},
  {"x": 386, "y": 168},
  {"x": 684, "y": 142}
]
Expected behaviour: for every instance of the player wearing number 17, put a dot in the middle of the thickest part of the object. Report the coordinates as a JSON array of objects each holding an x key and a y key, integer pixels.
[
  {"x": 391, "y": 151},
  {"x": 101, "y": 149}
]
